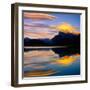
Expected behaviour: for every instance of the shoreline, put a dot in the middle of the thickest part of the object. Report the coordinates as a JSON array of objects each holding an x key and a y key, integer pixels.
[{"x": 44, "y": 47}]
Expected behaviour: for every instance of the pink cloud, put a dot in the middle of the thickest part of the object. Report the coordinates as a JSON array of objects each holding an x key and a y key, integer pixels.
[{"x": 38, "y": 16}]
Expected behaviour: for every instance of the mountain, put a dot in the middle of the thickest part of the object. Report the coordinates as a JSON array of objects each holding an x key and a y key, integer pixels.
[
  {"x": 67, "y": 39},
  {"x": 37, "y": 42},
  {"x": 62, "y": 39}
]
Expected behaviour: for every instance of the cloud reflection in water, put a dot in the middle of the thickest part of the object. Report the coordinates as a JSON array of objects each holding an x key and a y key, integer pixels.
[{"x": 48, "y": 63}]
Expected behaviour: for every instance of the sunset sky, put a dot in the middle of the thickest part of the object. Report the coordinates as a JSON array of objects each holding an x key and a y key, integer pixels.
[{"x": 48, "y": 25}]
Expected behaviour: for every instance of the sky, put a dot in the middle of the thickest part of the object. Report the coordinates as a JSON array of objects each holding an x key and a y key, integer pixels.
[
  {"x": 36, "y": 26},
  {"x": 73, "y": 19}
]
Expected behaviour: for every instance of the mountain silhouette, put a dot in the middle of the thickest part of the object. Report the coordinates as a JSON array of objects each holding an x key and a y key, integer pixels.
[
  {"x": 37, "y": 42},
  {"x": 67, "y": 39},
  {"x": 62, "y": 39}
]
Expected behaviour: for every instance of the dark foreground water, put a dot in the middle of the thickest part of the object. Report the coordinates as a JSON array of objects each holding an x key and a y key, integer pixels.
[{"x": 43, "y": 61}]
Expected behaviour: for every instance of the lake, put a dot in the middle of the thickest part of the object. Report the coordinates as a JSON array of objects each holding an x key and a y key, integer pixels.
[{"x": 51, "y": 61}]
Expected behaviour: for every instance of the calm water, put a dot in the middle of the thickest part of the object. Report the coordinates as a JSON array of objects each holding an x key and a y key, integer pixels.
[{"x": 43, "y": 61}]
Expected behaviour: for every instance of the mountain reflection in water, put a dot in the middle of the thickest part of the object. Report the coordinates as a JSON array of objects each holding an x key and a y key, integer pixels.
[{"x": 51, "y": 62}]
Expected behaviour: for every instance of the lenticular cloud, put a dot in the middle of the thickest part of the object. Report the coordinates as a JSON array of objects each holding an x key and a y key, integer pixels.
[{"x": 39, "y": 31}]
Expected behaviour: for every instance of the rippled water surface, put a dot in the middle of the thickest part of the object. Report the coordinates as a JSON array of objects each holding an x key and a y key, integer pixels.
[{"x": 43, "y": 61}]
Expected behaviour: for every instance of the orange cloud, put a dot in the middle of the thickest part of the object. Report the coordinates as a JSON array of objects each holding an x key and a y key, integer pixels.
[
  {"x": 66, "y": 28},
  {"x": 38, "y": 16}
]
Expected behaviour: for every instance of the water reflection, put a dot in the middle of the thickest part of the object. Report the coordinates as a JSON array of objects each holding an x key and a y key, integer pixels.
[{"x": 51, "y": 62}]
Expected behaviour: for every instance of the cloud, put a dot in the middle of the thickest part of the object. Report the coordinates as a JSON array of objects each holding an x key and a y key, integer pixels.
[
  {"x": 66, "y": 28},
  {"x": 41, "y": 16},
  {"x": 36, "y": 25},
  {"x": 39, "y": 31}
]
